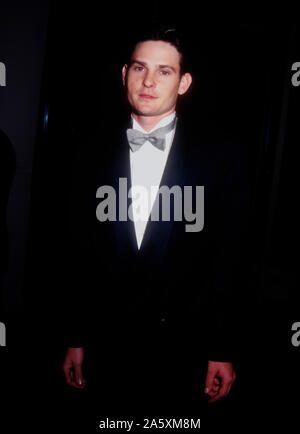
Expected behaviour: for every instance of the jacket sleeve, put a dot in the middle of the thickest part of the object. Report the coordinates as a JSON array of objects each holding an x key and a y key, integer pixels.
[{"x": 78, "y": 253}]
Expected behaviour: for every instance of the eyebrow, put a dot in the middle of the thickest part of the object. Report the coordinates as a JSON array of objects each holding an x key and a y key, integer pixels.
[{"x": 145, "y": 64}]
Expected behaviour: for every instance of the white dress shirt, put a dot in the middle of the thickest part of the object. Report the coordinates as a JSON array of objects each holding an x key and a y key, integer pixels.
[{"x": 147, "y": 166}]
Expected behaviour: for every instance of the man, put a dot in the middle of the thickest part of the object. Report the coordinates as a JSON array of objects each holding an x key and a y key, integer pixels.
[{"x": 162, "y": 294}]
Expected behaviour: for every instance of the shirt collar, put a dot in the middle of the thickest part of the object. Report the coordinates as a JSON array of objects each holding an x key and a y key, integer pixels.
[{"x": 163, "y": 122}]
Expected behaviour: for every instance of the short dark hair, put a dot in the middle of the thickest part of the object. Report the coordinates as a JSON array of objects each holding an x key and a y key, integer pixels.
[{"x": 165, "y": 33}]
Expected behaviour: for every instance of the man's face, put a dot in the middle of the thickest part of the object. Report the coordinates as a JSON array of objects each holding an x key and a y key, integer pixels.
[{"x": 153, "y": 80}]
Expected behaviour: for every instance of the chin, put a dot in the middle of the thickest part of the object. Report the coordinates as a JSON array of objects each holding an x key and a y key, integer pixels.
[{"x": 141, "y": 111}]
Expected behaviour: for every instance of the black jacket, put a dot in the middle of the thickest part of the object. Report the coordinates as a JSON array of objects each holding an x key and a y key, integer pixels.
[{"x": 191, "y": 280}]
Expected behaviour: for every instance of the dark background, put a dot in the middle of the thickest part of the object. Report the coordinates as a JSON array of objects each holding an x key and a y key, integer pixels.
[{"x": 63, "y": 80}]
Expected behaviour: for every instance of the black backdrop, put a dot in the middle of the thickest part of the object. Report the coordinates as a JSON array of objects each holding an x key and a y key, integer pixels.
[{"x": 242, "y": 86}]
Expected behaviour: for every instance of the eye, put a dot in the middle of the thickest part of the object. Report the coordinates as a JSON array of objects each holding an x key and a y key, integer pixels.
[
  {"x": 164, "y": 72},
  {"x": 138, "y": 68}
]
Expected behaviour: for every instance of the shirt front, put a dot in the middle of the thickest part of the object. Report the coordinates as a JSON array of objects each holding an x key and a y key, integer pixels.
[{"x": 147, "y": 166}]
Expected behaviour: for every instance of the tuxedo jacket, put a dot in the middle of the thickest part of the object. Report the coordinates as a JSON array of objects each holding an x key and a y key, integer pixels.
[{"x": 189, "y": 280}]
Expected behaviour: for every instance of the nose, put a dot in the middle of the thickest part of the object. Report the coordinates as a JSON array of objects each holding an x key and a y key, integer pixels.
[{"x": 148, "y": 79}]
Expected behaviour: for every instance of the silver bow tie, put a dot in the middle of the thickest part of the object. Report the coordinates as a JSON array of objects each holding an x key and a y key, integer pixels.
[{"x": 136, "y": 138}]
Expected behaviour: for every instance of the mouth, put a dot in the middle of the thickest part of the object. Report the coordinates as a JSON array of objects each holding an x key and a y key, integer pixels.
[{"x": 146, "y": 96}]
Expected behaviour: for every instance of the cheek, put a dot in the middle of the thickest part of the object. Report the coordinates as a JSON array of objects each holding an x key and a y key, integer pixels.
[
  {"x": 173, "y": 91},
  {"x": 134, "y": 85},
  {"x": 171, "y": 87},
  {"x": 130, "y": 80},
  {"x": 130, "y": 88}
]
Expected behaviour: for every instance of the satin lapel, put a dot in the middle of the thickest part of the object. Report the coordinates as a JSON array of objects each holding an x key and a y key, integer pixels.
[
  {"x": 157, "y": 233},
  {"x": 124, "y": 230}
]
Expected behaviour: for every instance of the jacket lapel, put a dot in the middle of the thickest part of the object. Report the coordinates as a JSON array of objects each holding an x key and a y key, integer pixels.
[
  {"x": 124, "y": 230},
  {"x": 157, "y": 233}
]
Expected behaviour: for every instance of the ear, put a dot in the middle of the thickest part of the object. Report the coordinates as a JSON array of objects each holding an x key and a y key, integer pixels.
[
  {"x": 124, "y": 72},
  {"x": 185, "y": 82}
]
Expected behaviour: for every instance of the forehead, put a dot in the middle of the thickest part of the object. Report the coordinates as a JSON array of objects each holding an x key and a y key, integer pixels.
[{"x": 157, "y": 53}]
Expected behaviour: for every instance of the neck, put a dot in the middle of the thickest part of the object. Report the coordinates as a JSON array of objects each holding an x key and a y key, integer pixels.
[{"x": 149, "y": 122}]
